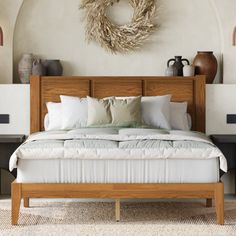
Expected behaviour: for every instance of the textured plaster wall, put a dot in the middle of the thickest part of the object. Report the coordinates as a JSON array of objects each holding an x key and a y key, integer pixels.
[{"x": 54, "y": 30}]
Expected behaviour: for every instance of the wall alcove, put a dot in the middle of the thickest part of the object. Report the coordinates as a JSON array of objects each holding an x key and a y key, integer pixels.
[{"x": 53, "y": 29}]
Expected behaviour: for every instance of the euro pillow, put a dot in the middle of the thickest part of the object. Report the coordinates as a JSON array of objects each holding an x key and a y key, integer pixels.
[
  {"x": 54, "y": 116},
  {"x": 156, "y": 111},
  {"x": 179, "y": 118},
  {"x": 74, "y": 112},
  {"x": 126, "y": 112}
]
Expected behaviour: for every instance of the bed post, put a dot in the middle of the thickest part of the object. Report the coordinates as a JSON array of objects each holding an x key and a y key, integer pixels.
[
  {"x": 26, "y": 202},
  {"x": 117, "y": 210},
  {"x": 15, "y": 202},
  {"x": 199, "y": 85},
  {"x": 35, "y": 102},
  {"x": 219, "y": 202}
]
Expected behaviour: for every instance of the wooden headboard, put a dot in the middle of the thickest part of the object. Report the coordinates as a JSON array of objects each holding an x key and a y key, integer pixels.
[{"x": 45, "y": 89}]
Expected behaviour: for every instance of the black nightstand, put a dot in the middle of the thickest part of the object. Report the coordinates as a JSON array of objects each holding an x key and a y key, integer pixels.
[
  {"x": 227, "y": 144},
  {"x": 8, "y": 144}
]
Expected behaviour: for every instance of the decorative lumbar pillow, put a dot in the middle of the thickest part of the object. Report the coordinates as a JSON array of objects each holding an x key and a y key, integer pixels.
[
  {"x": 54, "y": 116},
  {"x": 74, "y": 112},
  {"x": 178, "y": 116},
  {"x": 156, "y": 111},
  {"x": 126, "y": 112},
  {"x": 98, "y": 111}
]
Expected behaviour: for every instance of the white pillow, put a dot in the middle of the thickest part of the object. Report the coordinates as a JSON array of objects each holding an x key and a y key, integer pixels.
[
  {"x": 178, "y": 116},
  {"x": 54, "y": 116},
  {"x": 46, "y": 121},
  {"x": 156, "y": 111},
  {"x": 74, "y": 112}
]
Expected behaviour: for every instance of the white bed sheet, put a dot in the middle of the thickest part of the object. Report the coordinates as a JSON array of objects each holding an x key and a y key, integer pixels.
[{"x": 118, "y": 171}]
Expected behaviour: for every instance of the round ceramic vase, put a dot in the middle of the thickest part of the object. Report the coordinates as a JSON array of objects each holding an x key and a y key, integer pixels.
[
  {"x": 38, "y": 68},
  {"x": 53, "y": 67},
  {"x": 206, "y": 64},
  {"x": 189, "y": 70}
]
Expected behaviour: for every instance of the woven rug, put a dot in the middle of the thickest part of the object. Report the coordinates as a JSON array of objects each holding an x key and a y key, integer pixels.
[{"x": 97, "y": 218}]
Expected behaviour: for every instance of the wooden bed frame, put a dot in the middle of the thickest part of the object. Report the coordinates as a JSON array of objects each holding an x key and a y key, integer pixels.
[{"x": 190, "y": 89}]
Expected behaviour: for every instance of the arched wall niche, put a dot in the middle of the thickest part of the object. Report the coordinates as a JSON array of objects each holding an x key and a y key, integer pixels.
[{"x": 56, "y": 32}]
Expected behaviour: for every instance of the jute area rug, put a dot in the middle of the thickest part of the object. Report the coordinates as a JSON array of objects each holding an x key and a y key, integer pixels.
[{"x": 97, "y": 218}]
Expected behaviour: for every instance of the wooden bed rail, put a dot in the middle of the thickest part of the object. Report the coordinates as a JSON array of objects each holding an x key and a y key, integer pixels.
[{"x": 118, "y": 191}]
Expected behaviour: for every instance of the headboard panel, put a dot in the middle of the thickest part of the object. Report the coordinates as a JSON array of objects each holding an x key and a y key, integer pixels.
[{"x": 45, "y": 89}]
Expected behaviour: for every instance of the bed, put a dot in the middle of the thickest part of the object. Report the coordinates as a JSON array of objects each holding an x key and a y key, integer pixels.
[{"x": 115, "y": 178}]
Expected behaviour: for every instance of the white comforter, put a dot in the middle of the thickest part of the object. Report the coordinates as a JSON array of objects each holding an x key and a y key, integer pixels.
[{"x": 109, "y": 143}]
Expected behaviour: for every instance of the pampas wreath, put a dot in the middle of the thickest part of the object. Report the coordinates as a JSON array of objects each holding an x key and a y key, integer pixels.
[{"x": 119, "y": 38}]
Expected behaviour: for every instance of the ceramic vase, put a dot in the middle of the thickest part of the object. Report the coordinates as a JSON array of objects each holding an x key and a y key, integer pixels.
[
  {"x": 25, "y": 68},
  {"x": 53, "y": 67},
  {"x": 189, "y": 70},
  {"x": 178, "y": 64},
  {"x": 171, "y": 71},
  {"x": 38, "y": 68},
  {"x": 206, "y": 64}
]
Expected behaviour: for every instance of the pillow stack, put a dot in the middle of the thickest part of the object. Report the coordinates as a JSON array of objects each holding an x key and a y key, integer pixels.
[
  {"x": 153, "y": 111},
  {"x": 114, "y": 112}
]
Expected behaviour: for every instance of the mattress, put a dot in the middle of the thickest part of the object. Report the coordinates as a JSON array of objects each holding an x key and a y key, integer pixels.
[
  {"x": 111, "y": 144},
  {"x": 118, "y": 171}
]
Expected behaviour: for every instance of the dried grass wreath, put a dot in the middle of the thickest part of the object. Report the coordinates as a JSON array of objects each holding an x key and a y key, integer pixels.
[{"x": 119, "y": 38}]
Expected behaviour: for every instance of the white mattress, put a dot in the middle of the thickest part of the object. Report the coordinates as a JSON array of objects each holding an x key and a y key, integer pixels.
[{"x": 118, "y": 171}]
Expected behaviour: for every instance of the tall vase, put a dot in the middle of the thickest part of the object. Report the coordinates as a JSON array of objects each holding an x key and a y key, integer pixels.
[
  {"x": 206, "y": 64},
  {"x": 53, "y": 67},
  {"x": 25, "y": 68}
]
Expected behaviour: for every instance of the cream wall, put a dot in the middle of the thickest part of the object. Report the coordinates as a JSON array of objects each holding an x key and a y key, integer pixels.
[
  {"x": 186, "y": 26},
  {"x": 184, "y": 30},
  {"x": 61, "y": 35},
  {"x": 15, "y": 101}
]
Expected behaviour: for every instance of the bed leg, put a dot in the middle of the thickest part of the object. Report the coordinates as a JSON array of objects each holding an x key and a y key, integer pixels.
[
  {"x": 26, "y": 202},
  {"x": 15, "y": 202},
  {"x": 117, "y": 210},
  {"x": 209, "y": 202},
  {"x": 219, "y": 202}
]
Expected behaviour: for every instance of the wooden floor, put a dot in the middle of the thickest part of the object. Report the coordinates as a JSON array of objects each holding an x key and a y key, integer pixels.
[{"x": 118, "y": 191}]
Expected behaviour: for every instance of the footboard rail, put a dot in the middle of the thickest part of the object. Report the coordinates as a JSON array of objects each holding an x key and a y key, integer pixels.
[{"x": 208, "y": 191}]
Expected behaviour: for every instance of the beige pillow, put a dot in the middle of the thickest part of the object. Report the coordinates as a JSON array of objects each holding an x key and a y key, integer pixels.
[
  {"x": 126, "y": 112},
  {"x": 98, "y": 111}
]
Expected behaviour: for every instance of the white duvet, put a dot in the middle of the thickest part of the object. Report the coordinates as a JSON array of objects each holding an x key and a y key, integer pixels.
[{"x": 110, "y": 143}]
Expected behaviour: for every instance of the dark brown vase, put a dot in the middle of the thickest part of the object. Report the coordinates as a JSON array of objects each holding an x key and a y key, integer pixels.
[{"x": 206, "y": 64}]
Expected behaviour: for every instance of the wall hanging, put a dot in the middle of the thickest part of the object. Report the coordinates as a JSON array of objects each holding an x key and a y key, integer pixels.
[{"x": 119, "y": 38}]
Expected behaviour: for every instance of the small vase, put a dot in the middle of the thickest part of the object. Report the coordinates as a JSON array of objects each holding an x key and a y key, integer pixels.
[
  {"x": 189, "y": 70},
  {"x": 206, "y": 64},
  {"x": 38, "y": 68},
  {"x": 53, "y": 67},
  {"x": 178, "y": 64},
  {"x": 25, "y": 68},
  {"x": 171, "y": 71}
]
